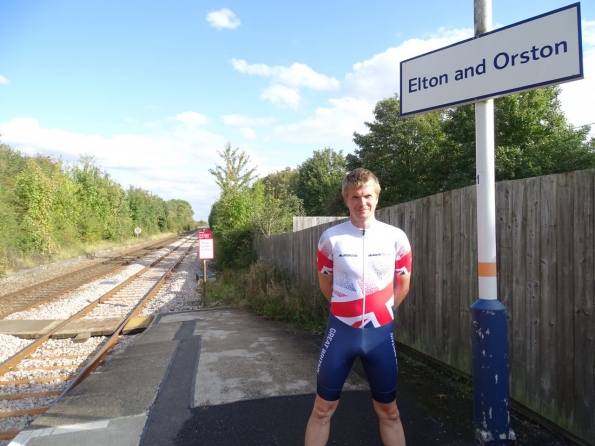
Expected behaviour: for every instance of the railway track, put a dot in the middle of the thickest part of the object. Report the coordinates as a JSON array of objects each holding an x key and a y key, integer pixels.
[
  {"x": 40, "y": 374},
  {"x": 49, "y": 290}
]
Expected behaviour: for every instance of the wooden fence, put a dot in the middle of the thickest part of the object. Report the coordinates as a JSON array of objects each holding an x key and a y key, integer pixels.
[
  {"x": 546, "y": 266},
  {"x": 300, "y": 223}
]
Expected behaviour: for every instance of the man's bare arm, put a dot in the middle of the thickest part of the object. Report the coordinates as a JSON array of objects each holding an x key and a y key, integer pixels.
[
  {"x": 401, "y": 287},
  {"x": 326, "y": 285}
]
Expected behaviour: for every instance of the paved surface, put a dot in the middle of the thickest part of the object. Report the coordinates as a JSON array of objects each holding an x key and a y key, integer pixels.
[{"x": 227, "y": 377}]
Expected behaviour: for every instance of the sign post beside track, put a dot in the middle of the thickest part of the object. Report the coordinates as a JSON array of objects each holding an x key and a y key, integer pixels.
[{"x": 206, "y": 252}]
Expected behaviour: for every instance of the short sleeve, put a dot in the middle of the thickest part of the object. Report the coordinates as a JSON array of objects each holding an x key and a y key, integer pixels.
[
  {"x": 324, "y": 254},
  {"x": 403, "y": 257}
]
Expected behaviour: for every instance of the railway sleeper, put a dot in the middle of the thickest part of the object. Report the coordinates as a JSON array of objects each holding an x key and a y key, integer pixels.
[
  {"x": 24, "y": 413},
  {"x": 25, "y": 395}
]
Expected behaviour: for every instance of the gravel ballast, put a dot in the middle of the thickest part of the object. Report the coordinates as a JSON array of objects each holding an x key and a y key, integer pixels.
[{"x": 179, "y": 293}]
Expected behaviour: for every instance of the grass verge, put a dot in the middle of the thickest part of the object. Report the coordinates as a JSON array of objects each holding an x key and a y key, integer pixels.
[
  {"x": 12, "y": 263},
  {"x": 264, "y": 289}
]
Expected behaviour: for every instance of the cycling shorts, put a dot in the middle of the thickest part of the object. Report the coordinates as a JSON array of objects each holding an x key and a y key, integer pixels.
[{"x": 376, "y": 348}]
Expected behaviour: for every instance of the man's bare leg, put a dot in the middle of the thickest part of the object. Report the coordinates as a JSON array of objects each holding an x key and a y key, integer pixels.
[
  {"x": 391, "y": 428},
  {"x": 319, "y": 423}
]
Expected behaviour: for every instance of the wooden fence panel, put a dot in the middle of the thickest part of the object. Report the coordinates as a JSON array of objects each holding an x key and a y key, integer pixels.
[
  {"x": 469, "y": 290},
  {"x": 449, "y": 314},
  {"x": 564, "y": 356},
  {"x": 404, "y": 314},
  {"x": 531, "y": 292},
  {"x": 583, "y": 279},
  {"x": 517, "y": 311},
  {"x": 549, "y": 323},
  {"x": 417, "y": 307},
  {"x": 545, "y": 233},
  {"x": 437, "y": 221},
  {"x": 504, "y": 249},
  {"x": 457, "y": 276}
]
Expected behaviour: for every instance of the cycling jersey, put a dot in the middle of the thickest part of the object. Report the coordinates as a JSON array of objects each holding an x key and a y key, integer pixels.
[{"x": 363, "y": 263}]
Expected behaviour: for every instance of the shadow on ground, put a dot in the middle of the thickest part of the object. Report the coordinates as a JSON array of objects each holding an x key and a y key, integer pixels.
[{"x": 436, "y": 409}]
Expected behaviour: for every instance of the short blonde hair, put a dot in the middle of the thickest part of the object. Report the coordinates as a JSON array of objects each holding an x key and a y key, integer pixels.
[{"x": 359, "y": 177}]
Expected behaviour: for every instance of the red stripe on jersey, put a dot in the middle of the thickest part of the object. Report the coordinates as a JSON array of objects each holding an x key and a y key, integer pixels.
[
  {"x": 323, "y": 261},
  {"x": 403, "y": 264}
]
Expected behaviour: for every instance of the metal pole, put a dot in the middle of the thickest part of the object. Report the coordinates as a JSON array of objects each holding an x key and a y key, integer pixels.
[
  {"x": 204, "y": 279},
  {"x": 491, "y": 393}
]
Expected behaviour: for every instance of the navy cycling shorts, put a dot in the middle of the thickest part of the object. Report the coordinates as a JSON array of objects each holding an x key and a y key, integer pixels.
[{"x": 376, "y": 348}]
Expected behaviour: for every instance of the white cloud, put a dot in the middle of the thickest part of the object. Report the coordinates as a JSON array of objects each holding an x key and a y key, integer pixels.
[
  {"x": 286, "y": 81},
  {"x": 172, "y": 162},
  {"x": 279, "y": 94},
  {"x": 3, "y": 80},
  {"x": 379, "y": 77},
  {"x": 247, "y": 133},
  {"x": 297, "y": 75},
  {"x": 452, "y": 35},
  {"x": 191, "y": 118},
  {"x": 369, "y": 81},
  {"x": 588, "y": 31},
  {"x": 224, "y": 18},
  {"x": 577, "y": 97},
  {"x": 241, "y": 120},
  {"x": 329, "y": 125}
]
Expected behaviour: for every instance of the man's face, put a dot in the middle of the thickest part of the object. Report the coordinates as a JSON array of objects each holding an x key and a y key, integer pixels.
[{"x": 361, "y": 202}]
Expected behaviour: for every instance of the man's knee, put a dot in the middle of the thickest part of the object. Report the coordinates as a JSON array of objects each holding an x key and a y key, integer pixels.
[
  {"x": 324, "y": 410},
  {"x": 387, "y": 412}
]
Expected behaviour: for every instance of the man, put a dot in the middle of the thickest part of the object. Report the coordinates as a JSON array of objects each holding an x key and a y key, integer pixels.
[{"x": 364, "y": 269}]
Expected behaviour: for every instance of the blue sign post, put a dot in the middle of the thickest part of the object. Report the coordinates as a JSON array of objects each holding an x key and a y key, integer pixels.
[{"x": 491, "y": 392}]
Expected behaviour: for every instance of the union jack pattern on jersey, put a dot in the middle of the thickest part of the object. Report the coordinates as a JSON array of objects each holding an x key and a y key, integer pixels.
[{"x": 363, "y": 264}]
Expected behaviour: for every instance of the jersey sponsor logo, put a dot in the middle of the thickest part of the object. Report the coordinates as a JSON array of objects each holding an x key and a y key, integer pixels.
[{"x": 347, "y": 255}]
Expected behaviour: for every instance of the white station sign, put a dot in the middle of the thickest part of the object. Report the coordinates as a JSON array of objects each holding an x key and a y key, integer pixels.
[
  {"x": 540, "y": 51},
  {"x": 206, "y": 249}
]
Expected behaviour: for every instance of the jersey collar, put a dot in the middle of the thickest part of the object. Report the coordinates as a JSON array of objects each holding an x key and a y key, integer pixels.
[{"x": 360, "y": 232}]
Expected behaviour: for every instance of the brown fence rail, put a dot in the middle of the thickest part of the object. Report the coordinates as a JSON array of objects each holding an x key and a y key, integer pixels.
[{"x": 546, "y": 266}]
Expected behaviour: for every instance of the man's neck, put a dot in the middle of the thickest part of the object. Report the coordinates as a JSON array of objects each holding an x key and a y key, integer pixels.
[{"x": 363, "y": 224}]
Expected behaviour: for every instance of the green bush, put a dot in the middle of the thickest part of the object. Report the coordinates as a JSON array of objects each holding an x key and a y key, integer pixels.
[{"x": 46, "y": 207}]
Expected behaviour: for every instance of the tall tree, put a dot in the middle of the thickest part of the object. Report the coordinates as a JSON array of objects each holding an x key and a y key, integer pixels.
[
  {"x": 234, "y": 175},
  {"x": 230, "y": 216},
  {"x": 533, "y": 137},
  {"x": 273, "y": 212},
  {"x": 423, "y": 155},
  {"x": 281, "y": 184},
  {"x": 401, "y": 152},
  {"x": 319, "y": 181}
]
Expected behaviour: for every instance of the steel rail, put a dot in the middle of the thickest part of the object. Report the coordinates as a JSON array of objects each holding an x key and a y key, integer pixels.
[
  {"x": 57, "y": 279},
  {"x": 91, "y": 365},
  {"x": 107, "y": 346},
  {"x": 20, "y": 355},
  {"x": 77, "y": 283}
]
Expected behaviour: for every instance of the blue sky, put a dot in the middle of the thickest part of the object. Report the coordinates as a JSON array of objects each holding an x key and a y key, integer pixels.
[{"x": 153, "y": 89}]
